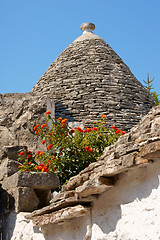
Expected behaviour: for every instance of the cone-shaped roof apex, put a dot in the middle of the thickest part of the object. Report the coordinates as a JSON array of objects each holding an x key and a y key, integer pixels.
[{"x": 87, "y": 29}]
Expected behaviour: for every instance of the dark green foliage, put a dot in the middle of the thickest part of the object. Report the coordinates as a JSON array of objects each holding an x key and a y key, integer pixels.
[{"x": 149, "y": 88}]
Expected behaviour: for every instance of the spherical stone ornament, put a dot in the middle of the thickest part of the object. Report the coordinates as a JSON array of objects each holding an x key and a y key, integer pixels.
[{"x": 88, "y": 27}]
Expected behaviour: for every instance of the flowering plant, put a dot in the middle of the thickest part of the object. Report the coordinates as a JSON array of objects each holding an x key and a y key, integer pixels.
[{"x": 68, "y": 151}]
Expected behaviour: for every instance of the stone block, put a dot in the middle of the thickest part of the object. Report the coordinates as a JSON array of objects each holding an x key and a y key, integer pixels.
[
  {"x": 35, "y": 180},
  {"x": 8, "y": 168},
  {"x": 25, "y": 199},
  {"x": 94, "y": 186}
]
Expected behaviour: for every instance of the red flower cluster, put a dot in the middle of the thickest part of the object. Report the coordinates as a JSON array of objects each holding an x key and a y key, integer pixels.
[
  {"x": 49, "y": 146},
  {"x": 118, "y": 131},
  {"x": 104, "y": 116},
  {"x": 21, "y": 153},
  {"x": 28, "y": 156},
  {"x": 43, "y": 142},
  {"x": 72, "y": 131},
  {"x": 35, "y": 128},
  {"x": 79, "y": 129},
  {"x": 86, "y": 129},
  {"x": 42, "y": 168},
  {"x": 63, "y": 121},
  {"x": 39, "y": 153},
  {"x": 44, "y": 125},
  {"x": 48, "y": 112},
  {"x": 88, "y": 149}
]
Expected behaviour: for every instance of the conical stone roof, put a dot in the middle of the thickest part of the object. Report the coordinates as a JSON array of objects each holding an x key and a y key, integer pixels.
[{"x": 89, "y": 79}]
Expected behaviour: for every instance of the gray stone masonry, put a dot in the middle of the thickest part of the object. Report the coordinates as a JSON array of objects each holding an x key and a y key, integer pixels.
[{"x": 89, "y": 79}]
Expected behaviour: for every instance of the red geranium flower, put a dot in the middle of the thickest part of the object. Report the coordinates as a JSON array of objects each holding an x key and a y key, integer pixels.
[
  {"x": 90, "y": 150},
  {"x": 38, "y": 152},
  {"x": 22, "y": 153},
  {"x": 49, "y": 146},
  {"x": 60, "y": 119},
  {"x": 43, "y": 142},
  {"x": 86, "y": 148},
  {"x": 44, "y": 125},
  {"x": 64, "y": 121},
  {"x": 89, "y": 129},
  {"x": 118, "y": 131},
  {"x": 72, "y": 131},
  {"x": 28, "y": 156},
  {"x": 35, "y": 128},
  {"x": 48, "y": 112}
]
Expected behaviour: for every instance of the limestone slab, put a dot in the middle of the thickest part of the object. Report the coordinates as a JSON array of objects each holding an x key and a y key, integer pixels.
[{"x": 36, "y": 180}]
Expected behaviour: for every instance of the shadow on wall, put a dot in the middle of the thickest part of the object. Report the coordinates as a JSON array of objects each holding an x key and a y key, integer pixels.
[
  {"x": 128, "y": 197},
  {"x": 61, "y": 111},
  {"x": 74, "y": 229},
  {"x": 6, "y": 203}
]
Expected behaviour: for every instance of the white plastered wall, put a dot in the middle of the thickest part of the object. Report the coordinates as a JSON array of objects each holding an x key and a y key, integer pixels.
[{"x": 128, "y": 211}]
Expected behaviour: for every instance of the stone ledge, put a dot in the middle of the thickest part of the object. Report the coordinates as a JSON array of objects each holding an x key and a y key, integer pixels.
[
  {"x": 35, "y": 180},
  {"x": 61, "y": 216}
]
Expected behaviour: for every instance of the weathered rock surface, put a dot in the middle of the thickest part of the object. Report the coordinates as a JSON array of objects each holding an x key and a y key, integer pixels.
[
  {"x": 61, "y": 216},
  {"x": 25, "y": 199},
  {"x": 30, "y": 190},
  {"x": 8, "y": 162},
  {"x": 8, "y": 168},
  {"x": 19, "y": 113}
]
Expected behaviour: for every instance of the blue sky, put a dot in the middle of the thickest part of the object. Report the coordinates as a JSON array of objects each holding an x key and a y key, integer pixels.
[{"x": 34, "y": 32}]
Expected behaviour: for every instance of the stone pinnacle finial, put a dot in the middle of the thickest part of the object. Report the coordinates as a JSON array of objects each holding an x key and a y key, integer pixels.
[{"x": 87, "y": 27}]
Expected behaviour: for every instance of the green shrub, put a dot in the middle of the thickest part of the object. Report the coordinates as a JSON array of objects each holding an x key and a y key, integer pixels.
[{"x": 68, "y": 151}]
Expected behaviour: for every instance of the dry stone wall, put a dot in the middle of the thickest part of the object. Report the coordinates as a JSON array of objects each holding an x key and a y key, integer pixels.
[{"x": 88, "y": 79}]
